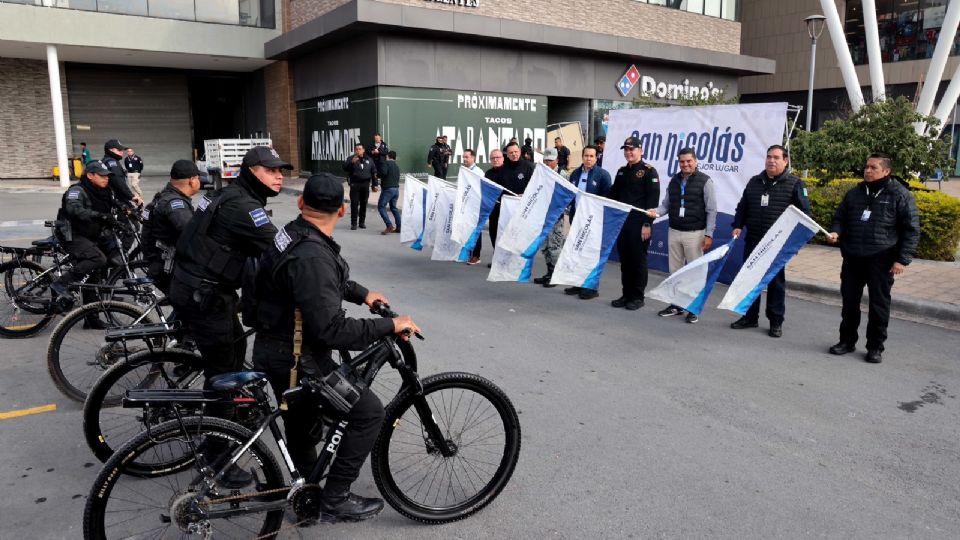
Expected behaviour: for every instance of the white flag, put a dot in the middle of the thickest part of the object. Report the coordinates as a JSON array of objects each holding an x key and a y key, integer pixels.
[
  {"x": 434, "y": 187},
  {"x": 507, "y": 266},
  {"x": 593, "y": 233},
  {"x": 414, "y": 212},
  {"x": 690, "y": 286},
  {"x": 543, "y": 203},
  {"x": 444, "y": 247},
  {"x": 476, "y": 198}
]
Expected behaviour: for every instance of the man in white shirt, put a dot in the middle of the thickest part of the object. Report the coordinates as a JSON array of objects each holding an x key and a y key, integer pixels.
[{"x": 470, "y": 163}]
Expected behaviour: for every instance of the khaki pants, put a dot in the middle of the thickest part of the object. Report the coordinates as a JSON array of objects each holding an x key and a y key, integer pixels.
[
  {"x": 684, "y": 247},
  {"x": 134, "y": 180}
]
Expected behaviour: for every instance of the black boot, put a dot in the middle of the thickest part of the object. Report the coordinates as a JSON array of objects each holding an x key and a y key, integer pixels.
[{"x": 346, "y": 506}]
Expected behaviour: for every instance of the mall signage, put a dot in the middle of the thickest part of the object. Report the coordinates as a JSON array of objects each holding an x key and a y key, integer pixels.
[
  {"x": 464, "y": 3},
  {"x": 650, "y": 86}
]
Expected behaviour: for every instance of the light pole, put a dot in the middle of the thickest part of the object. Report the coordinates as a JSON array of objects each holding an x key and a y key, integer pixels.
[{"x": 814, "y": 29}]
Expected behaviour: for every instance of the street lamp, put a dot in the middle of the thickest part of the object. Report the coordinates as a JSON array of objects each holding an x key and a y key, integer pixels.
[{"x": 814, "y": 29}]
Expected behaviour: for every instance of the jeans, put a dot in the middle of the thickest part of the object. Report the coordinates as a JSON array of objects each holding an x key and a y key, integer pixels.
[{"x": 389, "y": 197}]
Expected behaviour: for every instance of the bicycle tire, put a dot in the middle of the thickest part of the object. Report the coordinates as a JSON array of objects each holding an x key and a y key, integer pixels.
[
  {"x": 386, "y": 475},
  {"x": 76, "y": 385},
  {"x": 98, "y": 506},
  {"x": 38, "y": 316},
  {"x": 104, "y": 399}
]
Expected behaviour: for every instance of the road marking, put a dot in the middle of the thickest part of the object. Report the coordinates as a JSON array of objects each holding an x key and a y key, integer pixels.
[
  {"x": 22, "y": 223},
  {"x": 26, "y": 412}
]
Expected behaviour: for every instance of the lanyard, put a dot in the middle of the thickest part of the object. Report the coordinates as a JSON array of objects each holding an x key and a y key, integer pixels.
[
  {"x": 683, "y": 192},
  {"x": 872, "y": 198}
]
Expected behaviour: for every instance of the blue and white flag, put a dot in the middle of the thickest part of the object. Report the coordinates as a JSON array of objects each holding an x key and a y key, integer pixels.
[
  {"x": 444, "y": 247},
  {"x": 784, "y": 239},
  {"x": 414, "y": 212},
  {"x": 476, "y": 198},
  {"x": 508, "y": 266},
  {"x": 690, "y": 286},
  {"x": 434, "y": 187},
  {"x": 542, "y": 204},
  {"x": 592, "y": 235}
]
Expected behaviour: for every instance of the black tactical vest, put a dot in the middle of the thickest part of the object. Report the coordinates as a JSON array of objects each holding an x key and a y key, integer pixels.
[{"x": 203, "y": 257}]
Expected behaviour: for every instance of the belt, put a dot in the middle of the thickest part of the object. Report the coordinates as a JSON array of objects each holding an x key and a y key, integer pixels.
[{"x": 191, "y": 280}]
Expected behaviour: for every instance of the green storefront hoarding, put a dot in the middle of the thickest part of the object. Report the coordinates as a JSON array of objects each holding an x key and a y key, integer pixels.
[{"x": 410, "y": 119}]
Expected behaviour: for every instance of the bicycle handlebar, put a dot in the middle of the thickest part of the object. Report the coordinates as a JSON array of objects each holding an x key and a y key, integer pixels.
[{"x": 383, "y": 309}]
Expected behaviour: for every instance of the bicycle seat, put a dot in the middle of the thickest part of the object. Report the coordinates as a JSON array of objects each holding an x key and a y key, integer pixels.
[
  {"x": 137, "y": 281},
  {"x": 45, "y": 243},
  {"x": 141, "y": 331},
  {"x": 235, "y": 381}
]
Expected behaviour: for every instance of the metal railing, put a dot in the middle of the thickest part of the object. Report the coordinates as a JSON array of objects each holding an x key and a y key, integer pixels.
[{"x": 257, "y": 13}]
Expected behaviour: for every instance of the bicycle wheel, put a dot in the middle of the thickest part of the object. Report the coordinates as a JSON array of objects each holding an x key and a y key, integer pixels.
[
  {"x": 107, "y": 425},
  {"x": 477, "y": 418},
  {"x": 169, "y": 506},
  {"x": 78, "y": 355},
  {"x": 26, "y": 304}
]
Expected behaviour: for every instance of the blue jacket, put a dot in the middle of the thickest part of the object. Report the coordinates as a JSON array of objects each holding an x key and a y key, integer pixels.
[{"x": 598, "y": 180}]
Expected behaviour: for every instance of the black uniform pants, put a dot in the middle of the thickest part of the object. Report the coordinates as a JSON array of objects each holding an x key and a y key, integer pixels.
[
  {"x": 776, "y": 295},
  {"x": 359, "y": 195},
  {"x": 210, "y": 316},
  {"x": 494, "y": 227},
  {"x": 874, "y": 273},
  {"x": 633, "y": 258},
  {"x": 89, "y": 258},
  {"x": 440, "y": 171}
]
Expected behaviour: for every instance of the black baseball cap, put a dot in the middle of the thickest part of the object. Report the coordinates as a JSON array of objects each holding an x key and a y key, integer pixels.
[
  {"x": 323, "y": 192},
  {"x": 183, "y": 169},
  {"x": 600, "y": 139},
  {"x": 631, "y": 142},
  {"x": 266, "y": 156},
  {"x": 115, "y": 144},
  {"x": 96, "y": 167}
]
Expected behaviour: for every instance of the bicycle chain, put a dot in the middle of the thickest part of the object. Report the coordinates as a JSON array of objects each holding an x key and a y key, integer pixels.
[{"x": 275, "y": 534}]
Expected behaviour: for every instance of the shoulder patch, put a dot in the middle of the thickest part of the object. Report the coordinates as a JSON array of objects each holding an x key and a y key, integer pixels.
[
  {"x": 282, "y": 239},
  {"x": 145, "y": 214},
  {"x": 73, "y": 194},
  {"x": 203, "y": 203},
  {"x": 259, "y": 217},
  {"x": 110, "y": 162},
  {"x": 177, "y": 204}
]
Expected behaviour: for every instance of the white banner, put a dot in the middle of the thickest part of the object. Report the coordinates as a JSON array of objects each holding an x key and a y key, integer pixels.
[
  {"x": 414, "y": 211},
  {"x": 507, "y": 266},
  {"x": 434, "y": 188},
  {"x": 444, "y": 247},
  {"x": 730, "y": 141}
]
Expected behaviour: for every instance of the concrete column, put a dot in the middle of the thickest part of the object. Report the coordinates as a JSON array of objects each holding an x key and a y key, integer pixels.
[
  {"x": 939, "y": 60},
  {"x": 949, "y": 99},
  {"x": 843, "y": 53},
  {"x": 59, "y": 129},
  {"x": 873, "y": 49}
]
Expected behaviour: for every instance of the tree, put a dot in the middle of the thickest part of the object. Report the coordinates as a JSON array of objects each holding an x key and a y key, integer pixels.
[{"x": 840, "y": 147}]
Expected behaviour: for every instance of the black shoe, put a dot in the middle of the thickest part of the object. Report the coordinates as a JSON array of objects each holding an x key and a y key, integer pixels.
[
  {"x": 348, "y": 507},
  {"x": 587, "y": 294},
  {"x": 489, "y": 265},
  {"x": 842, "y": 348},
  {"x": 873, "y": 356},
  {"x": 633, "y": 305},
  {"x": 572, "y": 290},
  {"x": 236, "y": 478},
  {"x": 670, "y": 311},
  {"x": 542, "y": 280},
  {"x": 742, "y": 323},
  {"x": 353, "y": 227},
  {"x": 363, "y": 226},
  {"x": 548, "y": 285},
  {"x": 776, "y": 330},
  {"x": 692, "y": 319},
  {"x": 619, "y": 302},
  {"x": 94, "y": 324}
]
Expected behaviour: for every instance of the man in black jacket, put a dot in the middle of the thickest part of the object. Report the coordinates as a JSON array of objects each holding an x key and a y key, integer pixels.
[
  {"x": 439, "y": 157},
  {"x": 638, "y": 184},
  {"x": 378, "y": 151},
  {"x": 113, "y": 152},
  {"x": 164, "y": 220},
  {"x": 363, "y": 172},
  {"x": 765, "y": 198},
  {"x": 133, "y": 166},
  {"x": 514, "y": 176},
  {"x": 878, "y": 228},
  {"x": 303, "y": 270}
]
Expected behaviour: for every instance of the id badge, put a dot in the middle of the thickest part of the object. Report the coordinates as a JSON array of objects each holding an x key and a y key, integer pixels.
[
  {"x": 866, "y": 215},
  {"x": 765, "y": 199},
  {"x": 683, "y": 211}
]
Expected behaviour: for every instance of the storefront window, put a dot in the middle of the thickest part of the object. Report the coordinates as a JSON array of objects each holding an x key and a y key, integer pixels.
[
  {"x": 909, "y": 29},
  {"x": 260, "y": 13},
  {"x": 726, "y": 9}
]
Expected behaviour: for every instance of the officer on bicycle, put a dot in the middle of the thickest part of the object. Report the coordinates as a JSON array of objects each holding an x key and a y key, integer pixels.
[
  {"x": 303, "y": 270},
  {"x": 86, "y": 210},
  {"x": 228, "y": 227},
  {"x": 113, "y": 153},
  {"x": 165, "y": 218}
]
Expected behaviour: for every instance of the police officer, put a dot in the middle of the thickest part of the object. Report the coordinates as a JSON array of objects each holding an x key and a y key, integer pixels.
[
  {"x": 638, "y": 184},
  {"x": 378, "y": 151},
  {"x": 228, "y": 227},
  {"x": 113, "y": 152},
  {"x": 439, "y": 157},
  {"x": 303, "y": 270},
  {"x": 363, "y": 171},
  {"x": 878, "y": 229},
  {"x": 86, "y": 211},
  {"x": 765, "y": 198},
  {"x": 165, "y": 218}
]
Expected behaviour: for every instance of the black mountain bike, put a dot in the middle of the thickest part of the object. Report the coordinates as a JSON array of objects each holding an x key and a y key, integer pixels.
[{"x": 448, "y": 446}]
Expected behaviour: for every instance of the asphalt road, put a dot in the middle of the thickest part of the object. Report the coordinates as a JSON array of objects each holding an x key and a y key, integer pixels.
[{"x": 633, "y": 426}]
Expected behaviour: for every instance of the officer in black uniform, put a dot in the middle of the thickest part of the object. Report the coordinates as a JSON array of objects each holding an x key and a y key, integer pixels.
[
  {"x": 85, "y": 214},
  {"x": 113, "y": 153},
  {"x": 303, "y": 269},
  {"x": 878, "y": 228},
  {"x": 363, "y": 171},
  {"x": 165, "y": 218},
  {"x": 764, "y": 200},
  {"x": 439, "y": 157},
  {"x": 228, "y": 227},
  {"x": 638, "y": 184}
]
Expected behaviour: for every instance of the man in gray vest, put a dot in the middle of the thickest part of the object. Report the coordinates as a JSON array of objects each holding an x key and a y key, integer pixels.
[
  {"x": 765, "y": 198},
  {"x": 691, "y": 205}
]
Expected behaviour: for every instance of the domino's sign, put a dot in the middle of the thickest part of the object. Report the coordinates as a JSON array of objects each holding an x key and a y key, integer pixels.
[{"x": 649, "y": 86}]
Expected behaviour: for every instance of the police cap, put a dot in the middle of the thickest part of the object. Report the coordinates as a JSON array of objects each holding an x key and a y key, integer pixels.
[
  {"x": 96, "y": 167},
  {"x": 323, "y": 192},
  {"x": 183, "y": 169},
  {"x": 631, "y": 142},
  {"x": 265, "y": 156},
  {"x": 115, "y": 145}
]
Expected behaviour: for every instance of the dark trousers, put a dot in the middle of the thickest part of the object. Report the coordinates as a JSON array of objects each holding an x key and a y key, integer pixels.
[
  {"x": 210, "y": 316},
  {"x": 633, "y": 258},
  {"x": 874, "y": 273},
  {"x": 440, "y": 171},
  {"x": 494, "y": 226},
  {"x": 89, "y": 257},
  {"x": 776, "y": 295},
  {"x": 477, "y": 248},
  {"x": 359, "y": 194}
]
